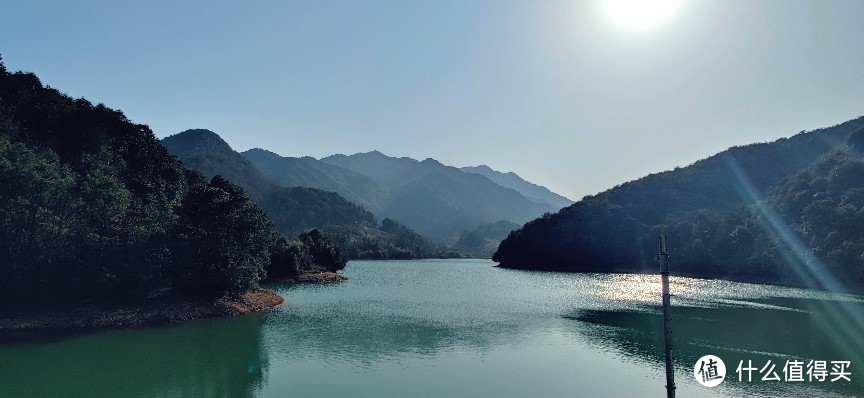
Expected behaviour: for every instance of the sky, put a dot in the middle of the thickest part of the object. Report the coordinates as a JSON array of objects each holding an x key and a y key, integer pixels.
[{"x": 578, "y": 96}]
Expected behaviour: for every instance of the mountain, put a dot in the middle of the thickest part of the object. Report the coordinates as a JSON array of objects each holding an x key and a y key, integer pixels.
[
  {"x": 779, "y": 212},
  {"x": 207, "y": 152},
  {"x": 436, "y": 200},
  {"x": 295, "y": 209},
  {"x": 313, "y": 173},
  {"x": 533, "y": 192},
  {"x": 483, "y": 240}
]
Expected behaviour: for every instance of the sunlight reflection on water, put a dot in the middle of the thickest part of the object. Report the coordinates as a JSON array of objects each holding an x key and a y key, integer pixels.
[
  {"x": 442, "y": 328},
  {"x": 408, "y": 316}
]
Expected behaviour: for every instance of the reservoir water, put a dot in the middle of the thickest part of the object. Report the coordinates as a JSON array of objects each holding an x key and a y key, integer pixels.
[{"x": 464, "y": 328}]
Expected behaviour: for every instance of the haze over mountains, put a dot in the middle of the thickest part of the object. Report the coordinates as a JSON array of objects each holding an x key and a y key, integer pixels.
[
  {"x": 297, "y": 209},
  {"x": 441, "y": 202},
  {"x": 534, "y": 192},
  {"x": 311, "y": 172}
]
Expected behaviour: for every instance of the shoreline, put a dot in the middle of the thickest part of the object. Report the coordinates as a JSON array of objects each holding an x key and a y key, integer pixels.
[
  {"x": 853, "y": 290},
  {"x": 54, "y": 319},
  {"x": 34, "y": 321}
]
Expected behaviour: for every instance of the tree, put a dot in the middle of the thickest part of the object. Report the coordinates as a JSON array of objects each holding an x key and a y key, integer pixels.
[
  {"x": 225, "y": 239},
  {"x": 322, "y": 251}
]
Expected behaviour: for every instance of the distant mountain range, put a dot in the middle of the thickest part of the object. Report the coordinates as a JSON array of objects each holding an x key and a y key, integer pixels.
[
  {"x": 438, "y": 201},
  {"x": 313, "y": 173},
  {"x": 533, "y": 192},
  {"x": 295, "y": 209},
  {"x": 787, "y": 212}
]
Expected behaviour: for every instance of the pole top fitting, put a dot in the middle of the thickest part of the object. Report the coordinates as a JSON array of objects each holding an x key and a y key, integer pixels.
[
  {"x": 663, "y": 256},
  {"x": 663, "y": 245}
]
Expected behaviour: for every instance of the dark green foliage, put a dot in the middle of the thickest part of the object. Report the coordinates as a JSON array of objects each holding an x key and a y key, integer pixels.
[
  {"x": 286, "y": 259},
  {"x": 94, "y": 207},
  {"x": 352, "y": 229},
  {"x": 223, "y": 239},
  {"x": 604, "y": 232},
  {"x": 407, "y": 239},
  {"x": 35, "y": 212},
  {"x": 312, "y": 252},
  {"x": 298, "y": 209},
  {"x": 855, "y": 142},
  {"x": 322, "y": 251},
  {"x": 788, "y": 212},
  {"x": 390, "y": 241},
  {"x": 825, "y": 208},
  {"x": 295, "y": 210}
]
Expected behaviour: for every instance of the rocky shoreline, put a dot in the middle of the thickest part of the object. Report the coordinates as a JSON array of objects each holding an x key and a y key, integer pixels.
[
  {"x": 25, "y": 322},
  {"x": 319, "y": 277},
  {"x": 35, "y": 321}
]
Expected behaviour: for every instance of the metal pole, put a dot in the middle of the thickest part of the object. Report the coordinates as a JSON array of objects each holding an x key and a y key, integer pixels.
[{"x": 667, "y": 317}]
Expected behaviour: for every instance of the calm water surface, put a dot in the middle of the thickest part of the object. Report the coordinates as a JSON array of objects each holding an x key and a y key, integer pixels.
[{"x": 460, "y": 328}]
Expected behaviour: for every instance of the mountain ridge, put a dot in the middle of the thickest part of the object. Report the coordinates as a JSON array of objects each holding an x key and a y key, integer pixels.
[
  {"x": 724, "y": 216},
  {"x": 459, "y": 201},
  {"x": 437, "y": 200},
  {"x": 207, "y": 152},
  {"x": 297, "y": 209},
  {"x": 528, "y": 189},
  {"x": 310, "y": 172}
]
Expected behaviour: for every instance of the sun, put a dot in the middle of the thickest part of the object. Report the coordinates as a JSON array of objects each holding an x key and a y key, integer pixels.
[{"x": 639, "y": 14}]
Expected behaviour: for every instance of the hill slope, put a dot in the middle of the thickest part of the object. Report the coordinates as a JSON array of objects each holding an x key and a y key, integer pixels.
[
  {"x": 533, "y": 192},
  {"x": 92, "y": 207},
  {"x": 295, "y": 209},
  {"x": 741, "y": 214},
  {"x": 207, "y": 152},
  {"x": 436, "y": 200},
  {"x": 313, "y": 173}
]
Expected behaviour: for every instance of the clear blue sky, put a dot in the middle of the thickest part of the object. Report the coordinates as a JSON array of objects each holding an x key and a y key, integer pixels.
[{"x": 556, "y": 91}]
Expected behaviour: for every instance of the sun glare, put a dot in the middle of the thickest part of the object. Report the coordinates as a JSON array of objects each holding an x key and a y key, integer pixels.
[{"x": 639, "y": 14}]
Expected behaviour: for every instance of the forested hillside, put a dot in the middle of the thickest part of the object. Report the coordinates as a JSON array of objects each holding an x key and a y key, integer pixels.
[
  {"x": 205, "y": 151},
  {"x": 92, "y": 206},
  {"x": 782, "y": 212},
  {"x": 313, "y": 173},
  {"x": 297, "y": 209}
]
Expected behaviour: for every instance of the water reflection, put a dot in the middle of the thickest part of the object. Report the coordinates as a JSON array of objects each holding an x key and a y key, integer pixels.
[
  {"x": 457, "y": 328},
  {"x": 366, "y": 331},
  {"x": 207, "y": 358},
  {"x": 783, "y": 328}
]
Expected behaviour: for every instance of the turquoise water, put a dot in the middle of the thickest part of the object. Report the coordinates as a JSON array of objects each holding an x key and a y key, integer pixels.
[{"x": 460, "y": 328}]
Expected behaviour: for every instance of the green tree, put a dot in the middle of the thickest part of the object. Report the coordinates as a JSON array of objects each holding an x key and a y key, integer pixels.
[
  {"x": 225, "y": 239},
  {"x": 322, "y": 251}
]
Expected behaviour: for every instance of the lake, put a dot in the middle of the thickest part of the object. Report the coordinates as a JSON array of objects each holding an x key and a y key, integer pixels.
[{"x": 463, "y": 328}]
